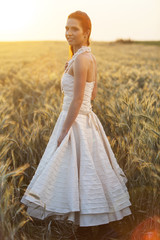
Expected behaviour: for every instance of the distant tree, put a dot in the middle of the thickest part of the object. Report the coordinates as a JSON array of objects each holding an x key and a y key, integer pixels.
[{"x": 120, "y": 40}]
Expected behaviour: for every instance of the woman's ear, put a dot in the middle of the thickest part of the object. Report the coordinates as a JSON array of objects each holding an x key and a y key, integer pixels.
[{"x": 87, "y": 33}]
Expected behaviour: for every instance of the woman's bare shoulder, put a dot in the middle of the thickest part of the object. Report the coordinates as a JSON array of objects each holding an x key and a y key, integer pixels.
[
  {"x": 82, "y": 58},
  {"x": 86, "y": 58}
]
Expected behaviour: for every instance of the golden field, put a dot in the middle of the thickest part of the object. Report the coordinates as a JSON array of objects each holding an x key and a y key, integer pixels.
[{"x": 127, "y": 104}]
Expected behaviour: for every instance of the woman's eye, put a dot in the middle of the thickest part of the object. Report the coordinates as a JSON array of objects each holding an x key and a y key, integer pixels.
[{"x": 72, "y": 28}]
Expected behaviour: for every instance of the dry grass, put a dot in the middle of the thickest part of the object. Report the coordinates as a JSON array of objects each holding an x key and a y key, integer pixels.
[{"x": 127, "y": 104}]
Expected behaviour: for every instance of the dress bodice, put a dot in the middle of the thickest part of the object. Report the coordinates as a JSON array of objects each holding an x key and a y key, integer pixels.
[{"x": 67, "y": 86}]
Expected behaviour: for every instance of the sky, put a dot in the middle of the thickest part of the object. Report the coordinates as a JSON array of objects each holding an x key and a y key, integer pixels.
[{"x": 32, "y": 20}]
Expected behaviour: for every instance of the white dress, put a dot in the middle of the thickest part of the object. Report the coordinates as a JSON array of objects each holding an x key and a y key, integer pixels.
[{"x": 79, "y": 181}]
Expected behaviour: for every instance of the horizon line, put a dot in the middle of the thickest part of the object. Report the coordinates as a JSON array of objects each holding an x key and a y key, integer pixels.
[{"x": 118, "y": 39}]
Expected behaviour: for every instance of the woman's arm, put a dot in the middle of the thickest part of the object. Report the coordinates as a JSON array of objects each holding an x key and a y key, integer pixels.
[
  {"x": 80, "y": 69},
  {"x": 94, "y": 92}
]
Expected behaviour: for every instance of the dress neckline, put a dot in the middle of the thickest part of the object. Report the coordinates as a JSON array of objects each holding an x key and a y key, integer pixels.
[{"x": 81, "y": 50}]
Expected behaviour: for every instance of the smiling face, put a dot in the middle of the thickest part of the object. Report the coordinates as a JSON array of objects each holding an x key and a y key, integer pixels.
[{"x": 74, "y": 33}]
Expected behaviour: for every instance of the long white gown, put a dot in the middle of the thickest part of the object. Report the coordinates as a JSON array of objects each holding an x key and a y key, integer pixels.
[{"x": 79, "y": 181}]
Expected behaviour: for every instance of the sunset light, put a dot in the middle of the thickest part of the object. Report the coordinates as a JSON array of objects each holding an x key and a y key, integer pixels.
[{"x": 22, "y": 20}]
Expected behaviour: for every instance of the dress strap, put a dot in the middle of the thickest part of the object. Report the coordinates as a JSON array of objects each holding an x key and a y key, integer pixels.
[
  {"x": 80, "y": 50},
  {"x": 68, "y": 67}
]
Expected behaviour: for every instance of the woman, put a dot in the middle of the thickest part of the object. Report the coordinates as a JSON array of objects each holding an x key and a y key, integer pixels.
[{"x": 78, "y": 178}]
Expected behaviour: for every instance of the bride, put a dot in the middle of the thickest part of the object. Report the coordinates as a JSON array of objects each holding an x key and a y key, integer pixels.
[{"x": 78, "y": 177}]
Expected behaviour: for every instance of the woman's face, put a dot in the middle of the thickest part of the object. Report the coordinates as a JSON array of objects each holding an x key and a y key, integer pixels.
[{"x": 74, "y": 32}]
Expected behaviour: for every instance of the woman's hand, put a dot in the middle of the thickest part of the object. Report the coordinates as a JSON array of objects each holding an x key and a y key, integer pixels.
[{"x": 61, "y": 137}]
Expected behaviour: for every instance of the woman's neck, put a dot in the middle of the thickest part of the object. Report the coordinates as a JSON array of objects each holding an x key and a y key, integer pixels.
[{"x": 76, "y": 48}]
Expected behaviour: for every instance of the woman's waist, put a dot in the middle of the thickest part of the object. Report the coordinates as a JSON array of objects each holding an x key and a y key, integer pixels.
[{"x": 85, "y": 108}]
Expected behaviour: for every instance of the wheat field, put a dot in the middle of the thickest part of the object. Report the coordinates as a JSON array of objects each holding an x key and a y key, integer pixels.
[{"x": 127, "y": 104}]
